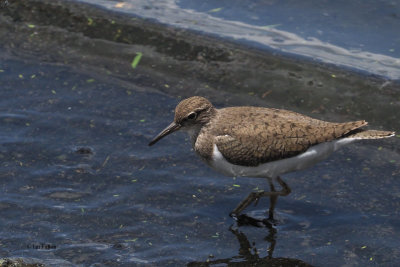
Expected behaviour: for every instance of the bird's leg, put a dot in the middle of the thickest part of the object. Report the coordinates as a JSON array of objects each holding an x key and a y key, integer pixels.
[
  {"x": 285, "y": 188},
  {"x": 272, "y": 189},
  {"x": 245, "y": 202},
  {"x": 273, "y": 198},
  {"x": 253, "y": 196}
]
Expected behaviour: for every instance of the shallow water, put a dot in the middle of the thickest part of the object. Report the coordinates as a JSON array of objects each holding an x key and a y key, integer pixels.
[
  {"x": 77, "y": 174},
  {"x": 80, "y": 186}
]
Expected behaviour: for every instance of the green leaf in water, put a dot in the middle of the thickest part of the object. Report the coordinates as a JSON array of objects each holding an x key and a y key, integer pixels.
[
  {"x": 216, "y": 235},
  {"x": 215, "y": 10},
  {"x": 136, "y": 60}
]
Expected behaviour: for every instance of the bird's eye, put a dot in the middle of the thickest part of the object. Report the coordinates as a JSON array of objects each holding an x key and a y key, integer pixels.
[{"x": 192, "y": 116}]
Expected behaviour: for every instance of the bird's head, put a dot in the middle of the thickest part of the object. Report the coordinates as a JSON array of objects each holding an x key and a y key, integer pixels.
[{"x": 190, "y": 114}]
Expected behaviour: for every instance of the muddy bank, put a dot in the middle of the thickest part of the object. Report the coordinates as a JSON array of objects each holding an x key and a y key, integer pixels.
[{"x": 183, "y": 63}]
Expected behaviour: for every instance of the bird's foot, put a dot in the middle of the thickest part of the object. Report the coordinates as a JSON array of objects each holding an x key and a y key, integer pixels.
[{"x": 246, "y": 220}]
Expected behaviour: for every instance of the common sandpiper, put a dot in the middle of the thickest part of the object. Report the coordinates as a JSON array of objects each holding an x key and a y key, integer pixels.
[{"x": 261, "y": 142}]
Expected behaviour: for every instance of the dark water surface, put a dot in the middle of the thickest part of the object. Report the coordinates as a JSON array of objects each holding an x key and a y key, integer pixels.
[{"x": 80, "y": 186}]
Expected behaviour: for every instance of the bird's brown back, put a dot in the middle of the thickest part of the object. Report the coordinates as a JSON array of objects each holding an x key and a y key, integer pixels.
[{"x": 250, "y": 136}]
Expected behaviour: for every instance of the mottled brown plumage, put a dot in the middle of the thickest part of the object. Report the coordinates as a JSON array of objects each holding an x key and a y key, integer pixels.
[
  {"x": 250, "y": 136},
  {"x": 261, "y": 142}
]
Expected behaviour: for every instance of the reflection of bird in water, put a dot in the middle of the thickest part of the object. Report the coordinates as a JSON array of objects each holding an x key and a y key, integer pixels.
[{"x": 249, "y": 255}]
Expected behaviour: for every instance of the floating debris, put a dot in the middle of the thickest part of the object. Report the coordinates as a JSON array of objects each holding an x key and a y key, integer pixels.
[
  {"x": 136, "y": 60},
  {"x": 215, "y": 10}
]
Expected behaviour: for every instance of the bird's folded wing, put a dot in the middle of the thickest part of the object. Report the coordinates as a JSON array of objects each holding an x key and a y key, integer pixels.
[{"x": 251, "y": 146}]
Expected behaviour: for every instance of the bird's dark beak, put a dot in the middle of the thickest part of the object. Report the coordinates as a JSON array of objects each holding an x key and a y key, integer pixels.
[{"x": 170, "y": 129}]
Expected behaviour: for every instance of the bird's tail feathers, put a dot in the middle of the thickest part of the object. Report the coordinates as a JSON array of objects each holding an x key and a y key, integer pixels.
[{"x": 370, "y": 134}]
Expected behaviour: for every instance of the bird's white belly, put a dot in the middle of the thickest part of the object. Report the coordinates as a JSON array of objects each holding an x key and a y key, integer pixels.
[{"x": 272, "y": 169}]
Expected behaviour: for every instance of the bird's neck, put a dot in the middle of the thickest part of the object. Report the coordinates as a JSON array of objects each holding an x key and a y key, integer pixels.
[{"x": 194, "y": 133}]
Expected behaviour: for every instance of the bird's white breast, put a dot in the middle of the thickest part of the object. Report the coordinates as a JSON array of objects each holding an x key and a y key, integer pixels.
[{"x": 274, "y": 168}]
